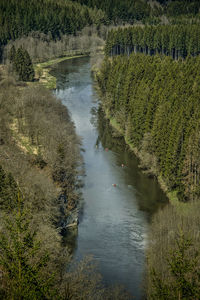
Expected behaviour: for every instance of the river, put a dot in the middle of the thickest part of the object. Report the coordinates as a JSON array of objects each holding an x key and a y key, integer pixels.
[{"x": 114, "y": 224}]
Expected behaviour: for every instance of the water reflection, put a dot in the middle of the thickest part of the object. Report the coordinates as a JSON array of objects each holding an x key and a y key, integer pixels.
[{"x": 148, "y": 194}]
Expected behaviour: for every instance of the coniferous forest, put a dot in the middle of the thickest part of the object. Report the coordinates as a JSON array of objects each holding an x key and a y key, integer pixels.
[
  {"x": 155, "y": 100},
  {"x": 149, "y": 85},
  {"x": 19, "y": 18},
  {"x": 178, "y": 41}
]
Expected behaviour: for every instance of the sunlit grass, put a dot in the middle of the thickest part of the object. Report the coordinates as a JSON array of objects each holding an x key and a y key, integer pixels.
[{"x": 42, "y": 73}]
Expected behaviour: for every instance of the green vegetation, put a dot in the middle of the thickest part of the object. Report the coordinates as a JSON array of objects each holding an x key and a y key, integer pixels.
[
  {"x": 177, "y": 8},
  {"x": 22, "y": 264},
  {"x": 152, "y": 101},
  {"x": 119, "y": 10},
  {"x": 155, "y": 101},
  {"x": 19, "y": 18},
  {"x": 173, "y": 258},
  {"x": 150, "y": 12},
  {"x": 22, "y": 64},
  {"x": 174, "y": 40},
  {"x": 29, "y": 269}
]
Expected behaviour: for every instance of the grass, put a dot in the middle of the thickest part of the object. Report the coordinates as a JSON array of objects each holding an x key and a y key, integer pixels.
[
  {"x": 43, "y": 73},
  {"x": 22, "y": 141},
  {"x": 57, "y": 60}
]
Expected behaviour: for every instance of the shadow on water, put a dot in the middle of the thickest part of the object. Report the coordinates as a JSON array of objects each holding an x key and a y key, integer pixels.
[{"x": 149, "y": 196}]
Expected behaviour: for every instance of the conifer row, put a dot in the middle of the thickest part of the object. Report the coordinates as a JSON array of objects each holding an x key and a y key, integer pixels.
[
  {"x": 172, "y": 40},
  {"x": 156, "y": 102}
]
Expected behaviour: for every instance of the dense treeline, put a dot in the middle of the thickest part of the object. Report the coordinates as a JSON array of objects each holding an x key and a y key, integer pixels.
[
  {"x": 145, "y": 11},
  {"x": 174, "y": 40},
  {"x": 18, "y": 18},
  {"x": 155, "y": 100},
  {"x": 121, "y": 10},
  {"x": 176, "y": 8},
  {"x": 38, "y": 139}
]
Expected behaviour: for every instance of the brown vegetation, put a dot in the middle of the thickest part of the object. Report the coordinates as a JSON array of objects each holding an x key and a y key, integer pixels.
[
  {"x": 42, "y": 47},
  {"x": 38, "y": 145},
  {"x": 167, "y": 225}
]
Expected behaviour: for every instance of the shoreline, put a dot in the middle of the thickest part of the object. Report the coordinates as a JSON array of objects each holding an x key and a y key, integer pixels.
[
  {"x": 43, "y": 69},
  {"x": 182, "y": 207}
]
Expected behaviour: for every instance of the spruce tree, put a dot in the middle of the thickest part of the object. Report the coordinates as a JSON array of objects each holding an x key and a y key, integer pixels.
[
  {"x": 12, "y": 54},
  {"x": 185, "y": 275},
  {"x": 23, "y": 65},
  {"x": 22, "y": 262},
  {"x": 28, "y": 68}
]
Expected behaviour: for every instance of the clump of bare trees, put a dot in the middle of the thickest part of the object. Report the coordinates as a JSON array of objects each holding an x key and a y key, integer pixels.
[{"x": 43, "y": 47}]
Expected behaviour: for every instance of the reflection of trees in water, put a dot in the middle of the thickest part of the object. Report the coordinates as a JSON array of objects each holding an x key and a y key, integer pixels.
[{"x": 107, "y": 135}]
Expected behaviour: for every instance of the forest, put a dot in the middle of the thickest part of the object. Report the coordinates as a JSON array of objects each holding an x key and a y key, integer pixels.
[
  {"x": 177, "y": 41},
  {"x": 149, "y": 85},
  {"x": 19, "y": 18},
  {"x": 145, "y": 11},
  {"x": 155, "y": 101}
]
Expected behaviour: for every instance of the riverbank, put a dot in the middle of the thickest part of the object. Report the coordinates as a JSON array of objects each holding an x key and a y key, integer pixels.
[
  {"x": 33, "y": 144},
  {"x": 181, "y": 207},
  {"x": 42, "y": 70}
]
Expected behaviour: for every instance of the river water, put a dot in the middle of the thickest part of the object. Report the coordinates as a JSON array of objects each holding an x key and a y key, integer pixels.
[{"x": 115, "y": 220}]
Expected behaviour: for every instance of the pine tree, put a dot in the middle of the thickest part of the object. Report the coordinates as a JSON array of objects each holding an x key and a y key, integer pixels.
[
  {"x": 22, "y": 264},
  {"x": 23, "y": 65},
  {"x": 28, "y": 68},
  {"x": 185, "y": 275},
  {"x": 12, "y": 54}
]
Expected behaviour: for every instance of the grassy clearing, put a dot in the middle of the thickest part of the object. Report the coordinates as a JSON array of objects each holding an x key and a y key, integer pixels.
[{"x": 22, "y": 141}]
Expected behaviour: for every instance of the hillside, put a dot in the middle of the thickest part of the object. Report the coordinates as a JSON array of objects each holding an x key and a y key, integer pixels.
[{"x": 19, "y": 18}]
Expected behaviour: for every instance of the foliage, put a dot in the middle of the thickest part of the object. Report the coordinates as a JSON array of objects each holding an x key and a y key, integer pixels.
[
  {"x": 121, "y": 10},
  {"x": 173, "y": 258},
  {"x": 8, "y": 190},
  {"x": 22, "y": 63},
  {"x": 28, "y": 271},
  {"x": 22, "y": 265},
  {"x": 173, "y": 40},
  {"x": 160, "y": 104},
  {"x": 18, "y": 18},
  {"x": 185, "y": 276}
]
